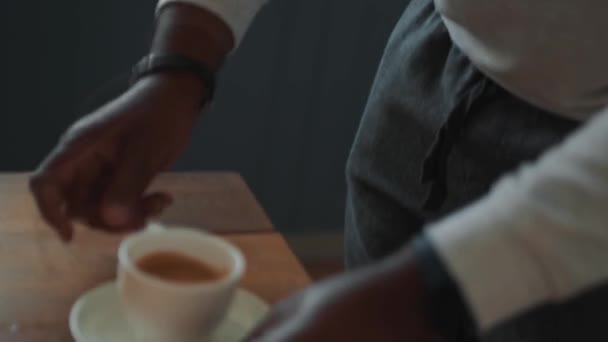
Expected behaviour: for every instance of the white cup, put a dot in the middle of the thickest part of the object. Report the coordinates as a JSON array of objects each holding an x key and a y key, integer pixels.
[{"x": 164, "y": 311}]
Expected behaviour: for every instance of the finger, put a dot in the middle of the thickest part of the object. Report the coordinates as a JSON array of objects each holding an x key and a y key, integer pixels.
[
  {"x": 51, "y": 203},
  {"x": 50, "y": 183},
  {"x": 119, "y": 204},
  {"x": 149, "y": 206},
  {"x": 48, "y": 186},
  {"x": 87, "y": 187},
  {"x": 81, "y": 192},
  {"x": 154, "y": 204},
  {"x": 268, "y": 324}
]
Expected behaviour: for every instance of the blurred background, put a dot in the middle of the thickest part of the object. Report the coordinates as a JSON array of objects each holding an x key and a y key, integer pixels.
[{"x": 287, "y": 107}]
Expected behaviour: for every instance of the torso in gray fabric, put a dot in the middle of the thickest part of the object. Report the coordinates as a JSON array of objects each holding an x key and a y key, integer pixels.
[{"x": 422, "y": 82}]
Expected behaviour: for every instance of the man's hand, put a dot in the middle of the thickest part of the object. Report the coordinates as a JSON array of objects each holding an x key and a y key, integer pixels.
[
  {"x": 383, "y": 303},
  {"x": 105, "y": 161},
  {"x": 102, "y": 166}
]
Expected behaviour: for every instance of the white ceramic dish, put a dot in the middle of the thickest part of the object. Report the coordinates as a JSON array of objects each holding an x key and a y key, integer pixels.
[{"x": 97, "y": 316}]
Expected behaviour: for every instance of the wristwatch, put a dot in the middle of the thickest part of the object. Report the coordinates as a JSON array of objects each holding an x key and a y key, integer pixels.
[{"x": 156, "y": 63}]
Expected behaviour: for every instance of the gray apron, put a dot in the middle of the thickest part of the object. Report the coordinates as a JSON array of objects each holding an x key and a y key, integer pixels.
[{"x": 435, "y": 135}]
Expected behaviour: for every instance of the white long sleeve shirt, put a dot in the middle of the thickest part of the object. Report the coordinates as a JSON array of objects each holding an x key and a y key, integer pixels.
[
  {"x": 238, "y": 14},
  {"x": 552, "y": 53},
  {"x": 541, "y": 235}
]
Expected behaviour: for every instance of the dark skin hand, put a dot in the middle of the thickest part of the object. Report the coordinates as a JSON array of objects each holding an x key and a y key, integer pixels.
[
  {"x": 384, "y": 302},
  {"x": 103, "y": 164},
  {"x": 100, "y": 170}
]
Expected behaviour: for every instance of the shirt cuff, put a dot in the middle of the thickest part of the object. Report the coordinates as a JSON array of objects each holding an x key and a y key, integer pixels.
[
  {"x": 497, "y": 277},
  {"x": 540, "y": 235},
  {"x": 237, "y": 14}
]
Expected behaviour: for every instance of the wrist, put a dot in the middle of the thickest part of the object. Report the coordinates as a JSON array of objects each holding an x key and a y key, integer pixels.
[{"x": 181, "y": 86}]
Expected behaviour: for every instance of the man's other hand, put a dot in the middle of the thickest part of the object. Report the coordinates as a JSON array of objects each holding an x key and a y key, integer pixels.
[{"x": 385, "y": 302}]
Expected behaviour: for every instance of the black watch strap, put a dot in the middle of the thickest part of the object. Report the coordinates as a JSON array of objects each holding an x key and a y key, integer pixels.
[{"x": 154, "y": 63}]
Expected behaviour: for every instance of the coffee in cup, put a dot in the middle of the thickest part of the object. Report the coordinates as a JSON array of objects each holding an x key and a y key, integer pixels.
[{"x": 172, "y": 266}]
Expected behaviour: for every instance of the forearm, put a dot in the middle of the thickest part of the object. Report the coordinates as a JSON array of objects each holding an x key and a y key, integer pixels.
[{"x": 539, "y": 237}]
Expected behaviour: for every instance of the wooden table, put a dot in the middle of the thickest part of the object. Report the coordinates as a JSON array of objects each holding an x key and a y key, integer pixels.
[{"x": 40, "y": 277}]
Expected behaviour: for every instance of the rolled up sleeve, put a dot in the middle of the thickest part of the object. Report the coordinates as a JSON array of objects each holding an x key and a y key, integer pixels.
[
  {"x": 540, "y": 236},
  {"x": 237, "y": 14}
]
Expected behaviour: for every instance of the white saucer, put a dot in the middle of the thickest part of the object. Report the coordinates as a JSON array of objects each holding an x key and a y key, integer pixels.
[{"x": 97, "y": 316}]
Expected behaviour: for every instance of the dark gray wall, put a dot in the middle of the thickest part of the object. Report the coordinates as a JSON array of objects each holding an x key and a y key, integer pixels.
[{"x": 287, "y": 107}]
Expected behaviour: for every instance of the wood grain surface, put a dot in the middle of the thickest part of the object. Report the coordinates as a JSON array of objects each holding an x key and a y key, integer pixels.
[
  {"x": 216, "y": 201},
  {"x": 41, "y": 277}
]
